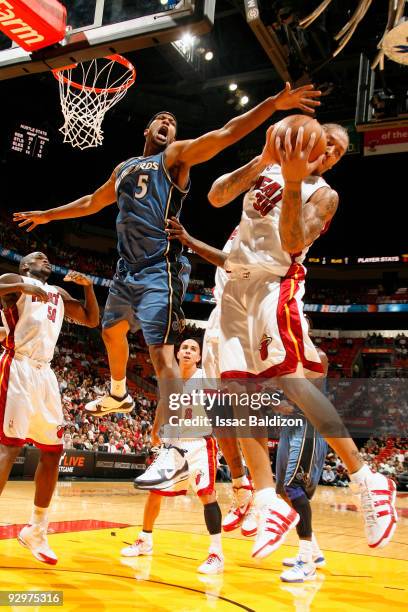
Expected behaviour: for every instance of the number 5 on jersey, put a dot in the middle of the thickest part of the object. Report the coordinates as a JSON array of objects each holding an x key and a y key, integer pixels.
[{"x": 142, "y": 184}]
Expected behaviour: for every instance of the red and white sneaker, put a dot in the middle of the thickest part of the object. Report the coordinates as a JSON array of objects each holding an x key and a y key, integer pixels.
[
  {"x": 214, "y": 564},
  {"x": 377, "y": 495},
  {"x": 243, "y": 498},
  {"x": 34, "y": 537},
  {"x": 249, "y": 525},
  {"x": 274, "y": 523},
  {"x": 141, "y": 546}
]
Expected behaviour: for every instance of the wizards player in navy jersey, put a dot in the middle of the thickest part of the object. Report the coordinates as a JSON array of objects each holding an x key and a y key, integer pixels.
[{"x": 151, "y": 274}]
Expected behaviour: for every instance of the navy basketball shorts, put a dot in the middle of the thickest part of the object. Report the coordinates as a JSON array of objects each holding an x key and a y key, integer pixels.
[
  {"x": 149, "y": 299},
  {"x": 300, "y": 458}
]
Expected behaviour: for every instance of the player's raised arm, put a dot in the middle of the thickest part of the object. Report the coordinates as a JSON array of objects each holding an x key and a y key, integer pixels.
[
  {"x": 84, "y": 314},
  {"x": 176, "y": 231},
  {"x": 87, "y": 205},
  {"x": 191, "y": 152}
]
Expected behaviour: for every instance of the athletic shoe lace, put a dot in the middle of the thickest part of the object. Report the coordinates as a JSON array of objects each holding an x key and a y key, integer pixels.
[
  {"x": 368, "y": 505},
  {"x": 212, "y": 558},
  {"x": 161, "y": 458},
  {"x": 40, "y": 532}
]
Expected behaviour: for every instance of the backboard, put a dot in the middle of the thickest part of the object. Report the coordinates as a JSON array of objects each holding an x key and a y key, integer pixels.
[{"x": 102, "y": 27}]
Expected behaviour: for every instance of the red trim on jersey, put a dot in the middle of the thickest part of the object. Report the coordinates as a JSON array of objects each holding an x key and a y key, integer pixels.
[
  {"x": 212, "y": 466},
  {"x": 5, "y": 365},
  {"x": 11, "y": 315}
]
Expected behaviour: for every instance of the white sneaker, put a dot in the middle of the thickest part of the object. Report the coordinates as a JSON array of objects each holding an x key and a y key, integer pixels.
[
  {"x": 377, "y": 494},
  {"x": 243, "y": 497},
  {"x": 34, "y": 537},
  {"x": 140, "y": 547},
  {"x": 249, "y": 525},
  {"x": 318, "y": 560},
  {"x": 274, "y": 523},
  {"x": 214, "y": 564},
  {"x": 109, "y": 403},
  {"x": 169, "y": 470},
  {"x": 300, "y": 572}
]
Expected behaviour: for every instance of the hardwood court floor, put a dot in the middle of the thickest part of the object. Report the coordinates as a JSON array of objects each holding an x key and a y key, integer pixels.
[{"x": 92, "y": 521}]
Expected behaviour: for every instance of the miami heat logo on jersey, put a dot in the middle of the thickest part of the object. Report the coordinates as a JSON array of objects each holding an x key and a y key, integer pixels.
[
  {"x": 263, "y": 347},
  {"x": 267, "y": 194}
]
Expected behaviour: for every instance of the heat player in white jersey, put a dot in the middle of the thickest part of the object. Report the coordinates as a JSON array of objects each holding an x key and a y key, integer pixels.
[
  {"x": 263, "y": 330},
  {"x": 186, "y": 459},
  {"x": 32, "y": 313}
]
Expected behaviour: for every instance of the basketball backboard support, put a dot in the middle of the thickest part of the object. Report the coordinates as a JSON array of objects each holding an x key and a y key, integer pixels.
[{"x": 97, "y": 28}]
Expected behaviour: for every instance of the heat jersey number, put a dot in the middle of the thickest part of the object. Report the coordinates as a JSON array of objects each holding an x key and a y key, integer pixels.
[
  {"x": 52, "y": 313},
  {"x": 267, "y": 194},
  {"x": 142, "y": 184}
]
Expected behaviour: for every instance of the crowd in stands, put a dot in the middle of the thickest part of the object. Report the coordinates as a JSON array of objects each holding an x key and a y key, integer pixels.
[
  {"x": 386, "y": 455},
  {"x": 80, "y": 367},
  {"x": 88, "y": 262}
]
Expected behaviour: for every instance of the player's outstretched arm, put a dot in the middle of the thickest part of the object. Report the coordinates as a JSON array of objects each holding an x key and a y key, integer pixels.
[
  {"x": 83, "y": 314},
  {"x": 176, "y": 231},
  {"x": 3, "y": 333},
  {"x": 229, "y": 186},
  {"x": 87, "y": 205},
  {"x": 191, "y": 152}
]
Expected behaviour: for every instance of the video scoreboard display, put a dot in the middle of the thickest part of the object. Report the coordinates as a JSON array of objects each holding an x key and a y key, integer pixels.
[{"x": 30, "y": 141}]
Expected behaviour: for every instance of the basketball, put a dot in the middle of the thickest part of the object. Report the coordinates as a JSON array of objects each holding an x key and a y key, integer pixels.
[{"x": 309, "y": 125}]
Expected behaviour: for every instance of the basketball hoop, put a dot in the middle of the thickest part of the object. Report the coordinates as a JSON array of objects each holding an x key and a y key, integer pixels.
[{"x": 87, "y": 91}]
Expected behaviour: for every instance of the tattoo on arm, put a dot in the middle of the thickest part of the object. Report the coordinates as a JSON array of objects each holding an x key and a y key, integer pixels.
[{"x": 229, "y": 186}]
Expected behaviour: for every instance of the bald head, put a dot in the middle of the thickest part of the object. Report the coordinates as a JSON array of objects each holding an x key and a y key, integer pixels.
[{"x": 36, "y": 265}]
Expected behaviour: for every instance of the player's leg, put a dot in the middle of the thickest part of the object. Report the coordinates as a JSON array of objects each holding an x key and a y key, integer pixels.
[
  {"x": 377, "y": 492},
  {"x": 242, "y": 488},
  {"x": 7, "y": 457},
  {"x": 34, "y": 534},
  {"x": 44, "y": 427},
  {"x": 201, "y": 456},
  {"x": 294, "y": 473},
  {"x": 118, "y": 319},
  {"x": 241, "y": 330},
  {"x": 143, "y": 544}
]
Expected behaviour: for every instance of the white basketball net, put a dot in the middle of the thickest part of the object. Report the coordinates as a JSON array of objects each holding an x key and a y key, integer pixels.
[{"x": 87, "y": 92}]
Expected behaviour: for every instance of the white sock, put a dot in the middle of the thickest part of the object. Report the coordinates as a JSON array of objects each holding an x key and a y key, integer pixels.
[
  {"x": 306, "y": 551},
  {"x": 39, "y": 516},
  {"x": 265, "y": 497},
  {"x": 216, "y": 546},
  {"x": 242, "y": 481},
  {"x": 316, "y": 548},
  {"x": 118, "y": 387},
  {"x": 359, "y": 476},
  {"x": 147, "y": 537}
]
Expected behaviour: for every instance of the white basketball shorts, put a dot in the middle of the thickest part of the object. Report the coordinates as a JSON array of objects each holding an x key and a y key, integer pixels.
[
  {"x": 201, "y": 455},
  {"x": 30, "y": 403},
  {"x": 263, "y": 332}
]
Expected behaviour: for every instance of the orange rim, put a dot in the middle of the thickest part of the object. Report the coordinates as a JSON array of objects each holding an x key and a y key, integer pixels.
[{"x": 60, "y": 76}]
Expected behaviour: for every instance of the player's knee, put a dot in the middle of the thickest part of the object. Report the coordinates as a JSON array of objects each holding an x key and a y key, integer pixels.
[
  {"x": 8, "y": 453},
  {"x": 293, "y": 492}
]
